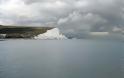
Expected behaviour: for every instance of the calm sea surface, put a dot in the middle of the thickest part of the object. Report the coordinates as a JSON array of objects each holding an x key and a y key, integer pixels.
[{"x": 61, "y": 59}]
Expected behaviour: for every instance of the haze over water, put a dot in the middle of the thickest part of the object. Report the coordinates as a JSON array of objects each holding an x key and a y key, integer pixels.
[{"x": 61, "y": 59}]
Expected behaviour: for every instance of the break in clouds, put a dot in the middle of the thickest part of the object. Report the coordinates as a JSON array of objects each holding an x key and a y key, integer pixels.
[{"x": 71, "y": 16}]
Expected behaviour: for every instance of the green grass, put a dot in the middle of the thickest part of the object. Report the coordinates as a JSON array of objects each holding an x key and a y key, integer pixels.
[{"x": 22, "y": 31}]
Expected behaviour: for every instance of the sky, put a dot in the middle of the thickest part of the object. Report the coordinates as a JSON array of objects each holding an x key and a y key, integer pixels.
[{"x": 71, "y": 16}]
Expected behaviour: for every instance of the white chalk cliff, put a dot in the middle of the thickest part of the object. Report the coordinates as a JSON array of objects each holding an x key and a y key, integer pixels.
[{"x": 51, "y": 34}]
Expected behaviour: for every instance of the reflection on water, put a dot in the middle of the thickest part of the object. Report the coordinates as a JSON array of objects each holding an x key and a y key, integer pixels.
[{"x": 61, "y": 59}]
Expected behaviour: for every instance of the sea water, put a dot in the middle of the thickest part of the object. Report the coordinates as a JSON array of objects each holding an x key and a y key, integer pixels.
[{"x": 61, "y": 59}]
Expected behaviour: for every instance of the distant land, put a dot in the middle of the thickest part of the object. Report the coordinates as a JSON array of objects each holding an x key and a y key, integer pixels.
[{"x": 21, "y": 31}]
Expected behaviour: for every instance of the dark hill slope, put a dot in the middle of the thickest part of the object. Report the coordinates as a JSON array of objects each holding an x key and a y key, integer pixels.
[{"x": 22, "y": 31}]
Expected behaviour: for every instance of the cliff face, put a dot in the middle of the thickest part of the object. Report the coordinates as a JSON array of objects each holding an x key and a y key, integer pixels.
[{"x": 22, "y": 32}]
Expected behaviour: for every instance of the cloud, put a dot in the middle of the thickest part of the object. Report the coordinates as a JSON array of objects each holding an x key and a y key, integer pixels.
[
  {"x": 71, "y": 16},
  {"x": 36, "y": 12}
]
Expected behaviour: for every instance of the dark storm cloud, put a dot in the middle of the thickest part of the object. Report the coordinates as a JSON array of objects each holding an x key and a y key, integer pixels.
[{"x": 70, "y": 16}]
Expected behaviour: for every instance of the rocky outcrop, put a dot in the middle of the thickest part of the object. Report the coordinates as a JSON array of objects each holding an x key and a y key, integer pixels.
[{"x": 2, "y": 36}]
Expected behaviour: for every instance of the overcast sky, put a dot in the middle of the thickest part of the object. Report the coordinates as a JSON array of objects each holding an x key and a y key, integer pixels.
[{"x": 68, "y": 15}]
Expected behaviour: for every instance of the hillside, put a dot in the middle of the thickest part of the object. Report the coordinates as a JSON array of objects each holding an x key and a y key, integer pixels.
[{"x": 22, "y": 31}]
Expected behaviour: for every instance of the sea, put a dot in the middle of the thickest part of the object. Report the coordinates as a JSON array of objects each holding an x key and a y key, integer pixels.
[{"x": 76, "y": 58}]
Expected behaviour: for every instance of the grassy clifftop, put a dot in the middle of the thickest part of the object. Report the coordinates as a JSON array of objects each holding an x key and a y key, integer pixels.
[{"x": 22, "y": 31}]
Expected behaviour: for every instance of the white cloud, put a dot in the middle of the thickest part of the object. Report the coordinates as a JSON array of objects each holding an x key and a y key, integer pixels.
[
  {"x": 80, "y": 21},
  {"x": 82, "y": 4}
]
